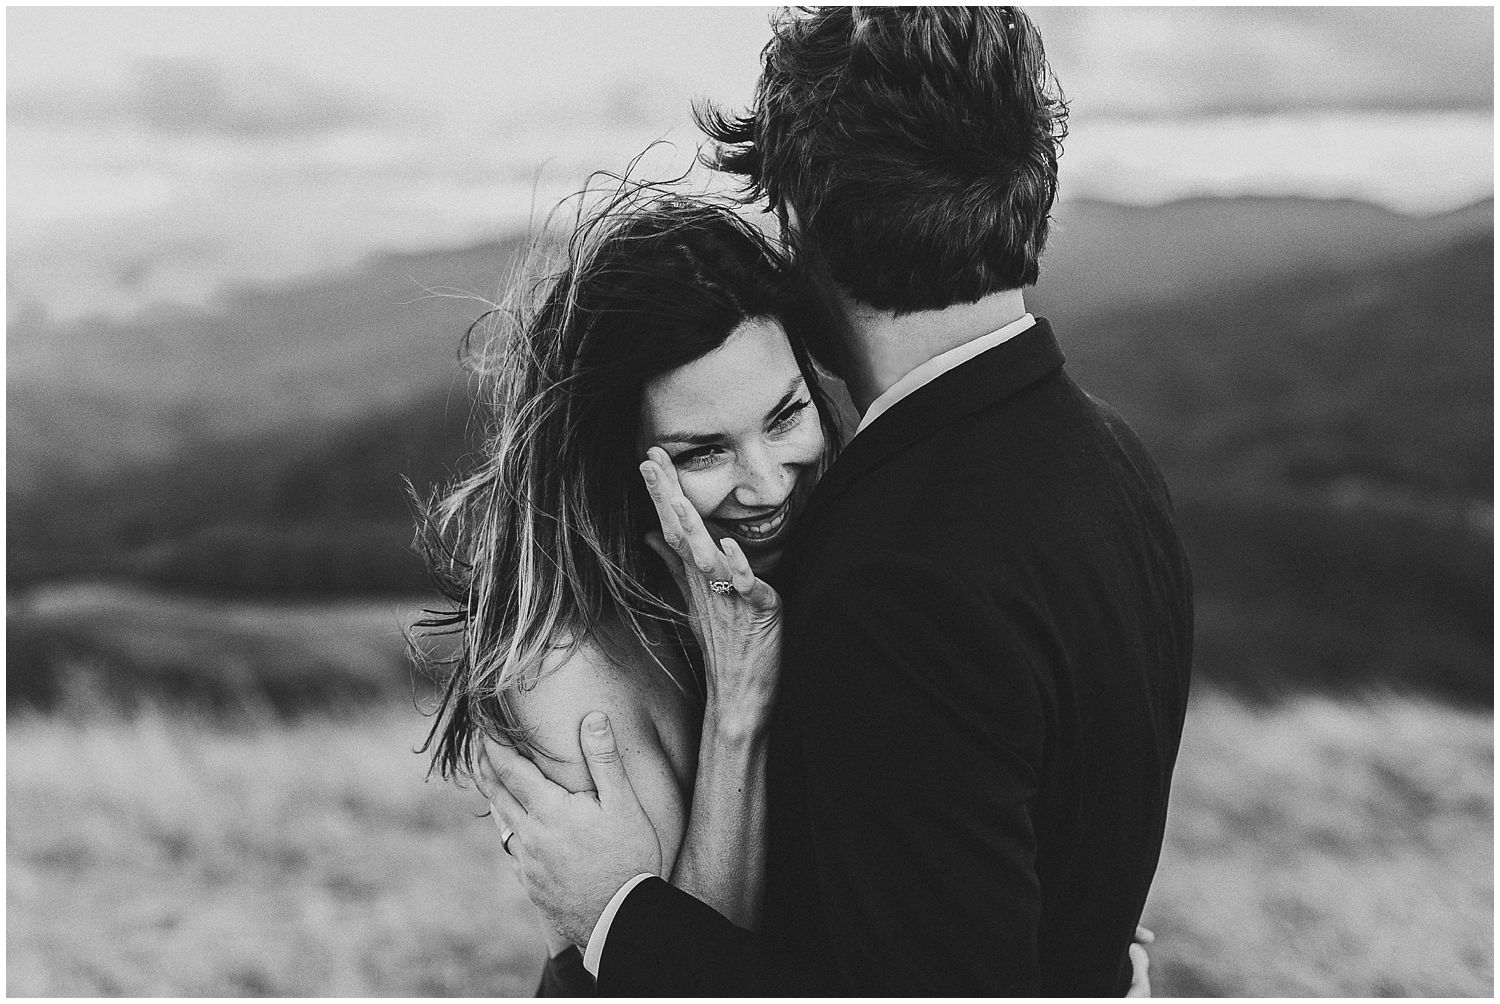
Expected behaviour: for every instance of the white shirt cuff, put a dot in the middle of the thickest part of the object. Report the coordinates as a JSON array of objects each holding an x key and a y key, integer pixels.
[{"x": 595, "y": 949}]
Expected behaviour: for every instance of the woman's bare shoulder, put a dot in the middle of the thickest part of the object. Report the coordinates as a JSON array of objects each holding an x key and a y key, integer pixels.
[{"x": 649, "y": 715}]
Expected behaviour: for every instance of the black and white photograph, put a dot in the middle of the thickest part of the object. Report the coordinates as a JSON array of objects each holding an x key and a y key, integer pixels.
[{"x": 711, "y": 501}]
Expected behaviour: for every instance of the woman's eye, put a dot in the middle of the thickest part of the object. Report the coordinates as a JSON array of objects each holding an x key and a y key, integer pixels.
[
  {"x": 791, "y": 416},
  {"x": 697, "y": 460}
]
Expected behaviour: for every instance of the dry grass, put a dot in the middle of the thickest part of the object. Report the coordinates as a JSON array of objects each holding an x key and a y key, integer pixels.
[
  {"x": 166, "y": 857},
  {"x": 1315, "y": 848},
  {"x": 99, "y": 645},
  {"x": 1329, "y": 848}
]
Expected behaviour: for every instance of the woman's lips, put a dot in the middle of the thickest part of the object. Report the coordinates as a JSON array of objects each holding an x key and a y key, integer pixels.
[{"x": 760, "y": 531}]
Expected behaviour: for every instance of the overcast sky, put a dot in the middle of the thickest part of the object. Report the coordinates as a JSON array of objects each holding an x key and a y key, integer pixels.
[
  {"x": 477, "y": 63},
  {"x": 159, "y": 152}
]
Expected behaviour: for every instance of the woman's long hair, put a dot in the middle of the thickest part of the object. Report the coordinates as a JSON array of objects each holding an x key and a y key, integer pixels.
[{"x": 541, "y": 546}]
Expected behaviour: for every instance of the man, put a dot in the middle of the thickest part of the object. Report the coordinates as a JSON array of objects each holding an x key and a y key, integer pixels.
[{"x": 988, "y": 637}]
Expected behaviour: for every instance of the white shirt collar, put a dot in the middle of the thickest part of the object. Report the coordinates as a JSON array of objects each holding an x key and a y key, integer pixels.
[{"x": 940, "y": 364}]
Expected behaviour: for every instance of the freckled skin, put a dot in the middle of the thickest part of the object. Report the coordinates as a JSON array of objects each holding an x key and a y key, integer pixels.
[{"x": 760, "y": 455}]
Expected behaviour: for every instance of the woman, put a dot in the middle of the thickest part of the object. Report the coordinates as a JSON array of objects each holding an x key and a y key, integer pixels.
[
  {"x": 662, "y": 385},
  {"x": 674, "y": 324}
]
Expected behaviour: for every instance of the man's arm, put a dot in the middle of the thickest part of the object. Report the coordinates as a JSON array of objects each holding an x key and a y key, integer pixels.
[{"x": 921, "y": 727}]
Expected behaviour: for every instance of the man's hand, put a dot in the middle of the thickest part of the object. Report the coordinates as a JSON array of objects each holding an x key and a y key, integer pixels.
[
  {"x": 573, "y": 851},
  {"x": 1140, "y": 963}
]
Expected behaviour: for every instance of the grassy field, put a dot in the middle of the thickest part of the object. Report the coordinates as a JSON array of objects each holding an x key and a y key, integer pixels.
[
  {"x": 101, "y": 645},
  {"x": 1329, "y": 848},
  {"x": 1317, "y": 847},
  {"x": 163, "y": 856}
]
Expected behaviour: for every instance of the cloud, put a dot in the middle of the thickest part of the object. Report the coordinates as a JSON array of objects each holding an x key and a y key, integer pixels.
[
  {"x": 1173, "y": 61},
  {"x": 1413, "y": 162},
  {"x": 187, "y": 95}
]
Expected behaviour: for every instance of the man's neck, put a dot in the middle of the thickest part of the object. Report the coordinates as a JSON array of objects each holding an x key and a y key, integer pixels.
[{"x": 884, "y": 347}]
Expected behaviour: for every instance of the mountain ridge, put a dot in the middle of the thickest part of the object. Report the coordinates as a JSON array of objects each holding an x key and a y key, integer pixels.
[{"x": 318, "y": 355}]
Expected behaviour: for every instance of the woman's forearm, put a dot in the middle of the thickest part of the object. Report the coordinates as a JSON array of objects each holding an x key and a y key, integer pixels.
[{"x": 723, "y": 855}]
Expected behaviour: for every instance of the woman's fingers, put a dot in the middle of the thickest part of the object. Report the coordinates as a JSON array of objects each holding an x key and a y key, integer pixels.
[
  {"x": 669, "y": 482},
  {"x": 691, "y": 541},
  {"x": 739, "y": 567},
  {"x": 1144, "y": 935},
  {"x": 753, "y": 590},
  {"x": 653, "y": 473},
  {"x": 696, "y": 547},
  {"x": 670, "y": 558},
  {"x": 702, "y": 551},
  {"x": 681, "y": 526}
]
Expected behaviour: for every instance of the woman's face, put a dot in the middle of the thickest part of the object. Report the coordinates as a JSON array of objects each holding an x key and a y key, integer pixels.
[{"x": 744, "y": 435}]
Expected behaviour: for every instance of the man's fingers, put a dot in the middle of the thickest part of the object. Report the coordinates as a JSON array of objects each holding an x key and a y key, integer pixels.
[
  {"x": 507, "y": 810},
  {"x": 1140, "y": 974},
  {"x": 512, "y": 856},
  {"x": 506, "y": 826},
  {"x": 602, "y": 754},
  {"x": 518, "y": 778}
]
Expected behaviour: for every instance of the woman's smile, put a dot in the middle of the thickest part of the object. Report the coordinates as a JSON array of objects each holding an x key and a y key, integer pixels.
[
  {"x": 763, "y": 530},
  {"x": 740, "y": 427}
]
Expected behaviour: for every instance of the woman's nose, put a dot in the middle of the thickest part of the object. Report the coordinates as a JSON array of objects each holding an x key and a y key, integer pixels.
[{"x": 763, "y": 482}]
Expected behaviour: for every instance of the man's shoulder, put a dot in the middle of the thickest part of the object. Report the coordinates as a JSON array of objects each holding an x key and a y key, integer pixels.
[
  {"x": 957, "y": 480},
  {"x": 1054, "y": 477}
]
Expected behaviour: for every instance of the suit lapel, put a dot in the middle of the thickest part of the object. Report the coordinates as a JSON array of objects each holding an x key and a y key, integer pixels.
[{"x": 991, "y": 376}]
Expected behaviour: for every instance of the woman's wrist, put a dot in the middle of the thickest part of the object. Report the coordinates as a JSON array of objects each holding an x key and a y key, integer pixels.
[{"x": 746, "y": 723}]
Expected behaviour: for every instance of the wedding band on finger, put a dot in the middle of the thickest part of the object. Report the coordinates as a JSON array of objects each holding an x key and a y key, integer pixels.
[
  {"x": 505, "y": 835},
  {"x": 721, "y": 586}
]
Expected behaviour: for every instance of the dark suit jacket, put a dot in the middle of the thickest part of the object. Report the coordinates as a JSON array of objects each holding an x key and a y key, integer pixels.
[{"x": 989, "y": 630}]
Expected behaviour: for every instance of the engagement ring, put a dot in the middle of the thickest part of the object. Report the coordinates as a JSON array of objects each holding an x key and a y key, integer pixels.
[{"x": 721, "y": 586}]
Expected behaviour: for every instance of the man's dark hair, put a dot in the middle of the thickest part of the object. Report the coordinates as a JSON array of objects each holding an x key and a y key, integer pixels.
[{"x": 917, "y": 147}]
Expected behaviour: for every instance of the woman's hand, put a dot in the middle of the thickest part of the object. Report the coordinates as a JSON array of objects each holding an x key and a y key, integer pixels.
[
  {"x": 739, "y": 627},
  {"x": 1140, "y": 964}
]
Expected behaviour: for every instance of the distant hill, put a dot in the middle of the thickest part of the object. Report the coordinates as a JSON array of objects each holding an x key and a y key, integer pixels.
[
  {"x": 93, "y": 397},
  {"x": 1377, "y": 373},
  {"x": 1315, "y": 378},
  {"x": 316, "y": 510},
  {"x": 1102, "y": 257}
]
